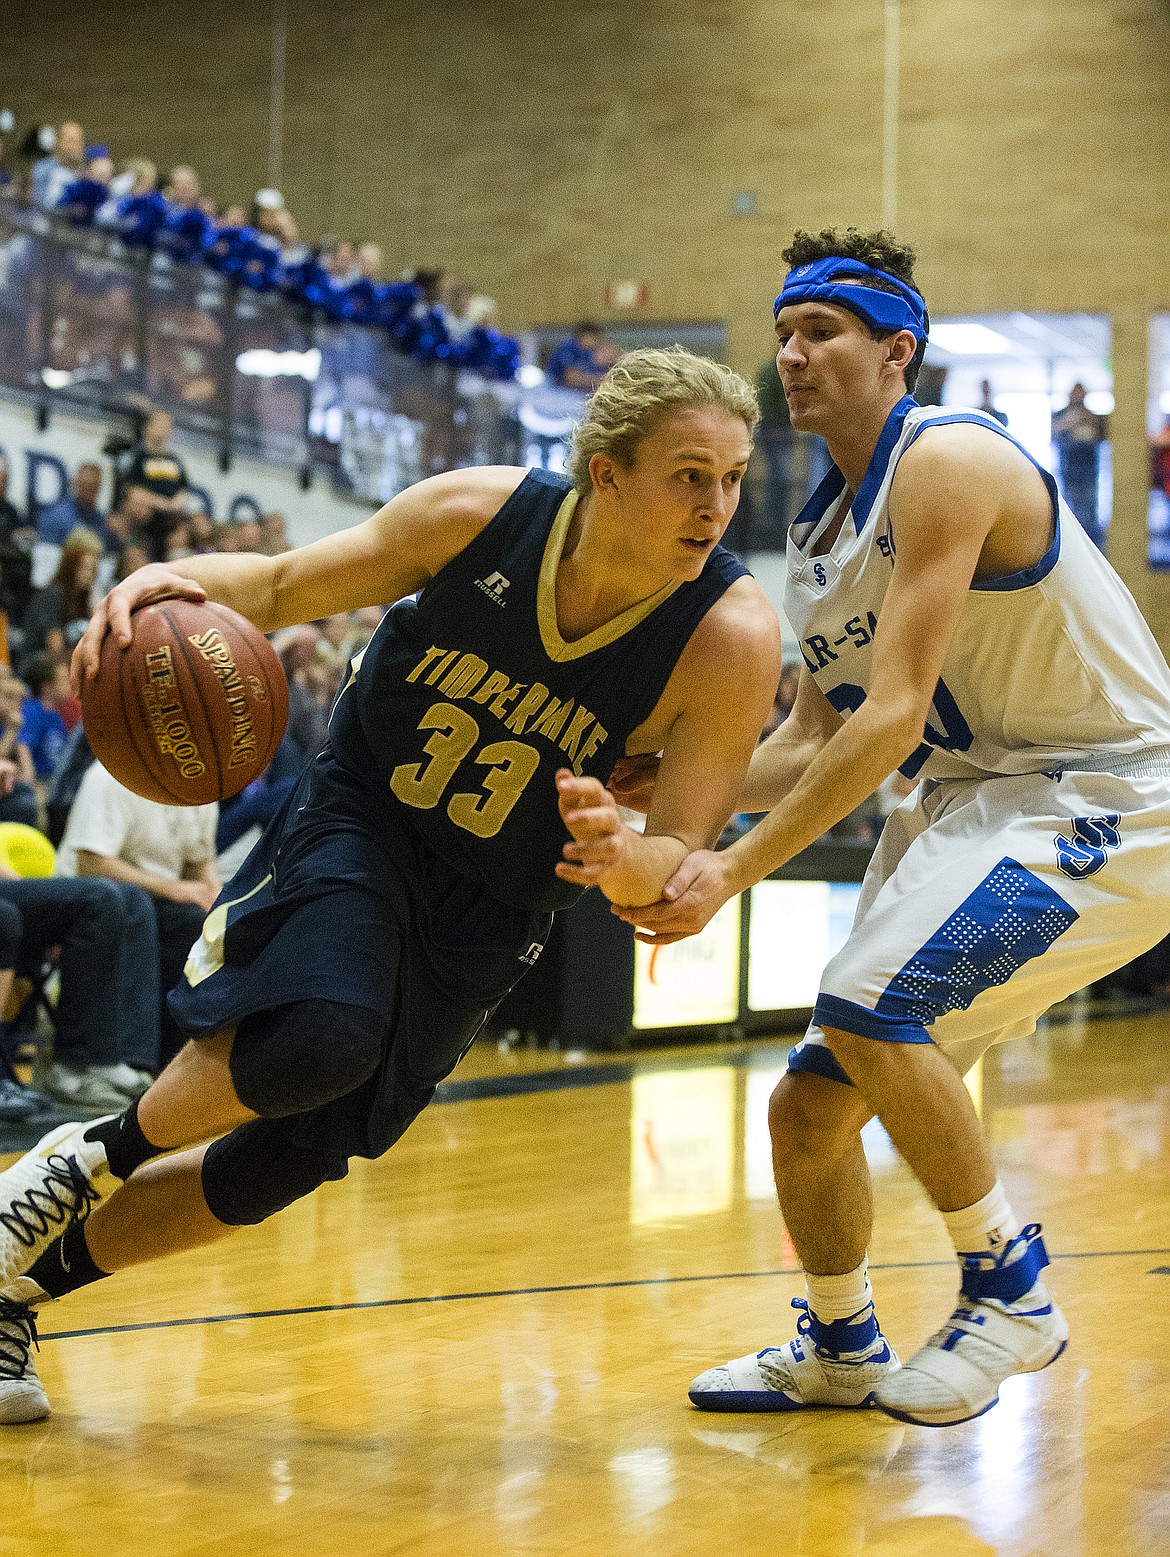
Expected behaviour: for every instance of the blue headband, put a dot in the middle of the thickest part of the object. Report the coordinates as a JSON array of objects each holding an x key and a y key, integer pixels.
[{"x": 826, "y": 281}]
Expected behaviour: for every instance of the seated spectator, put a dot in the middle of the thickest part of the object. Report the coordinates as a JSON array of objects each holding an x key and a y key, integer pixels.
[
  {"x": 239, "y": 535},
  {"x": 43, "y": 730},
  {"x": 131, "y": 557},
  {"x": 185, "y": 230},
  {"x": 18, "y": 796},
  {"x": 53, "y": 173},
  {"x": 200, "y": 532},
  {"x": 57, "y": 522},
  {"x": 83, "y": 198},
  {"x": 169, "y": 851},
  {"x": 583, "y": 359},
  {"x": 158, "y": 478},
  {"x": 56, "y": 615},
  {"x": 105, "y": 1051},
  {"x": 308, "y": 709},
  {"x": 182, "y": 188},
  {"x": 137, "y": 176},
  {"x": 274, "y": 535},
  {"x": 16, "y": 542},
  {"x": 127, "y": 520}
]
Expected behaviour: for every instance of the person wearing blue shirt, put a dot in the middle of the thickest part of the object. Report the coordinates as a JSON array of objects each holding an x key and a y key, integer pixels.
[
  {"x": 43, "y": 729},
  {"x": 57, "y": 522},
  {"x": 582, "y": 360}
]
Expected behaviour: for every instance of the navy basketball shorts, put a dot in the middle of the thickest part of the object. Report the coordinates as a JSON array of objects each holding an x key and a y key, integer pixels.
[
  {"x": 331, "y": 937},
  {"x": 987, "y": 901}
]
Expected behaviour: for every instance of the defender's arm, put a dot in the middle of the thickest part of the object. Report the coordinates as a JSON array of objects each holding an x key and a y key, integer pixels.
[{"x": 722, "y": 689}]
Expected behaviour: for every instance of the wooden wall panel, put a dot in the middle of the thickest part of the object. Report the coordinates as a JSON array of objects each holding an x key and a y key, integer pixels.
[{"x": 543, "y": 151}]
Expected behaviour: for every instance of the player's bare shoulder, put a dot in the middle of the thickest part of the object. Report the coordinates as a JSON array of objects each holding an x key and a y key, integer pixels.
[
  {"x": 962, "y": 476},
  {"x": 966, "y": 455},
  {"x": 443, "y": 514},
  {"x": 733, "y": 656}
]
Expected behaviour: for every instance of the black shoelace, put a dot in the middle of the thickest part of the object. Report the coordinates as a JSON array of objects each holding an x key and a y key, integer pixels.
[
  {"x": 31, "y": 1215},
  {"x": 18, "y": 1335}
]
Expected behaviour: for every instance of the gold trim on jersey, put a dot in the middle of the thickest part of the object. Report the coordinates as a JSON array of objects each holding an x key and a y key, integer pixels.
[
  {"x": 207, "y": 953},
  {"x": 546, "y": 598}
]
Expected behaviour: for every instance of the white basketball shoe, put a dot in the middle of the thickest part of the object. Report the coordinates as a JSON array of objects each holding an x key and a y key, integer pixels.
[
  {"x": 1005, "y": 1323},
  {"x": 837, "y": 1364},
  {"x": 22, "y": 1399},
  {"x": 58, "y": 1182}
]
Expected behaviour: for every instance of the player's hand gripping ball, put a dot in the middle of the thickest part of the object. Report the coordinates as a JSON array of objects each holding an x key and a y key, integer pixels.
[{"x": 193, "y": 710}]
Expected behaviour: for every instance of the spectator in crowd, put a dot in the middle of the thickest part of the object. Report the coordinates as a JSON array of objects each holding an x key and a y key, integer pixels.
[
  {"x": 18, "y": 796},
  {"x": 159, "y": 478},
  {"x": 84, "y": 197},
  {"x": 43, "y": 730},
  {"x": 274, "y": 535},
  {"x": 58, "y": 521},
  {"x": 127, "y": 520},
  {"x": 105, "y": 1048},
  {"x": 1077, "y": 435},
  {"x": 987, "y": 403},
  {"x": 182, "y": 188},
  {"x": 14, "y": 526},
  {"x": 774, "y": 439},
  {"x": 243, "y": 534},
  {"x": 583, "y": 359},
  {"x": 131, "y": 557},
  {"x": 309, "y": 706},
  {"x": 340, "y": 261},
  {"x": 16, "y": 542},
  {"x": 1160, "y": 461},
  {"x": 52, "y": 174},
  {"x": 56, "y": 615},
  {"x": 200, "y": 531},
  {"x": 169, "y": 851},
  {"x": 137, "y": 176},
  {"x": 272, "y": 219}
]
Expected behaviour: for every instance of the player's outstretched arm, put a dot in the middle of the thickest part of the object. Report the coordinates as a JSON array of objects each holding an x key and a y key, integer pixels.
[
  {"x": 391, "y": 555},
  {"x": 708, "y": 720},
  {"x": 781, "y": 761}
]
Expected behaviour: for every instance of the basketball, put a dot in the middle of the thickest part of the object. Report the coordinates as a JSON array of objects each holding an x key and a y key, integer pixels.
[{"x": 193, "y": 710}]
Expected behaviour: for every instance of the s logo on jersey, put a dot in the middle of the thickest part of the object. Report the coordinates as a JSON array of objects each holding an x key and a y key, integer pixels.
[
  {"x": 819, "y": 573},
  {"x": 1088, "y": 849}
]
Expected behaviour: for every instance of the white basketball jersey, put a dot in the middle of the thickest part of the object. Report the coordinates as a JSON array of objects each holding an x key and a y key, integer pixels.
[{"x": 1052, "y": 667}]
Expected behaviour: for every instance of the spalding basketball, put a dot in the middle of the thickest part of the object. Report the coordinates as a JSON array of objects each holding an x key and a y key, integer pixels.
[{"x": 193, "y": 710}]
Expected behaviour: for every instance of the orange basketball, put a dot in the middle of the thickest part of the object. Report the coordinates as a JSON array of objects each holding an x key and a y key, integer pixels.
[{"x": 193, "y": 710}]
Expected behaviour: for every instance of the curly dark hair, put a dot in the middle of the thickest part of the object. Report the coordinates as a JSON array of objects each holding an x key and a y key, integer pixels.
[{"x": 879, "y": 249}]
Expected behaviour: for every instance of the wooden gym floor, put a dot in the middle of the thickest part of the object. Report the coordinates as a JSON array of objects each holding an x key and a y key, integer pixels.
[{"x": 482, "y": 1344}]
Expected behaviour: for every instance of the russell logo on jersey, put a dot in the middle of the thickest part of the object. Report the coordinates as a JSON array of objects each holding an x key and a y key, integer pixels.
[{"x": 493, "y": 587}]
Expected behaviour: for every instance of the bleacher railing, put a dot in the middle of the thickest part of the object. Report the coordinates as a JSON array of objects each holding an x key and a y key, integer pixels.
[{"x": 90, "y": 323}]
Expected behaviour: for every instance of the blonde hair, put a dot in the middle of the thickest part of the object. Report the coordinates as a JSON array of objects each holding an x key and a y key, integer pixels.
[{"x": 639, "y": 391}]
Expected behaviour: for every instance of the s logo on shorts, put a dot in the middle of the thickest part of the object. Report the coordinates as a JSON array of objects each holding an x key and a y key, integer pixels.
[{"x": 1088, "y": 849}]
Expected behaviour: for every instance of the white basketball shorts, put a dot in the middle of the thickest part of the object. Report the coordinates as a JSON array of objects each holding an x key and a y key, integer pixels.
[{"x": 990, "y": 899}]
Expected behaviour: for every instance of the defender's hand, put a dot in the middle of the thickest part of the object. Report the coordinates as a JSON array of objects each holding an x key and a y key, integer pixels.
[
  {"x": 590, "y": 813},
  {"x": 632, "y": 781},
  {"x": 692, "y": 896},
  {"x": 154, "y": 582}
]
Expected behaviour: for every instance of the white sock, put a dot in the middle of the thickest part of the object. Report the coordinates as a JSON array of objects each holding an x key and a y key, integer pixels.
[
  {"x": 839, "y": 1297},
  {"x": 984, "y": 1227}
]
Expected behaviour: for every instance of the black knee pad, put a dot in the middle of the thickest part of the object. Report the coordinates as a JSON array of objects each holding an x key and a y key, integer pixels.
[
  {"x": 299, "y": 1056},
  {"x": 260, "y": 1168}
]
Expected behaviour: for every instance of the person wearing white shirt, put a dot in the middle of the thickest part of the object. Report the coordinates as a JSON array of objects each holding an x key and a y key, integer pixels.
[{"x": 168, "y": 850}]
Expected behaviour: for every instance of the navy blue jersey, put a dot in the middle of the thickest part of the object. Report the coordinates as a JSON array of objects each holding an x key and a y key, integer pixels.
[{"x": 467, "y": 700}]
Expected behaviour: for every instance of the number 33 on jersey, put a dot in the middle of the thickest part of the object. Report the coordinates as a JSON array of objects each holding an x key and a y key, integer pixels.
[{"x": 467, "y": 699}]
